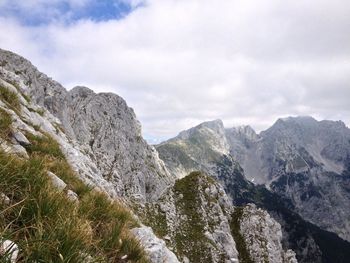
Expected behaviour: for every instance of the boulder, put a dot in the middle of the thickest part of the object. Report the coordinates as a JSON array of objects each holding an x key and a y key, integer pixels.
[{"x": 155, "y": 247}]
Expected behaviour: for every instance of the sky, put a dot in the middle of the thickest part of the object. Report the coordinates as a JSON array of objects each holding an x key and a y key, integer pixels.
[{"x": 178, "y": 63}]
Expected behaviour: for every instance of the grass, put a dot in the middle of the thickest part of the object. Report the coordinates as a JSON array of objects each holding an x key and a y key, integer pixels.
[
  {"x": 50, "y": 228},
  {"x": 5, "y": 124},
  {"x": 44, "y": 146},
  {"x": 10, "y": 98}
]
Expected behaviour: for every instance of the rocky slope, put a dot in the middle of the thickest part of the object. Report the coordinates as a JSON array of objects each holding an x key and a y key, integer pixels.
[
  {"x": 305, "y": 161},
  {"x": 211, "y": 148}
]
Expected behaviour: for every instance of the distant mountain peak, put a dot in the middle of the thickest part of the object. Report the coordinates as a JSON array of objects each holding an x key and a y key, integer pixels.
[
  {"x": 215, "y": 127},
  {"x": 214, "y": 124}
]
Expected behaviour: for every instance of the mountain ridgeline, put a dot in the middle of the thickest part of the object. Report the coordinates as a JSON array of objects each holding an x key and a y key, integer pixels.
[
  {"x": 298, "y": 170},
  {"x": 80, "y": 184}
]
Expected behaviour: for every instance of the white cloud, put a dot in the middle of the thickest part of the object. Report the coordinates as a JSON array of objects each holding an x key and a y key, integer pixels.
[{"x": 182, "y": 62}]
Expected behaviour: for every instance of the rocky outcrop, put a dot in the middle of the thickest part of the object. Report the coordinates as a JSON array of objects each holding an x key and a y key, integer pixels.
[
  {"x": 154, "y": 246},
  {"x": 195, "y": 218},
  {"x": 263, "y": 236},
  {"x": 99, "y": 133},
  {"x": 192, "y": 218},
  {"x": 108, "y": 128},
  {"x": 35, "y": 120}
]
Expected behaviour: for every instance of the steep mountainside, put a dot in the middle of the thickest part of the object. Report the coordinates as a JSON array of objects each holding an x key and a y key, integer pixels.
[
  {"x": 105, "y": 128},
  {"x": 218, "y": 160},
  {"x": 78, "y": 182}
]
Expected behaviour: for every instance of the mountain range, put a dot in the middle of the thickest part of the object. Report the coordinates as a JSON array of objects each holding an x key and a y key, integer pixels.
[{"x": 211, "y": 194}]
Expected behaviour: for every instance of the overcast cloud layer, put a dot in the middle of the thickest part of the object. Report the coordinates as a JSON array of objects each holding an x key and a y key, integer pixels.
[{"x": 178, "y": 63}]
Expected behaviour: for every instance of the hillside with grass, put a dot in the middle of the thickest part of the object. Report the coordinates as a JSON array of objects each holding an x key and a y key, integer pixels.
[{"x": 50, "y": 223}]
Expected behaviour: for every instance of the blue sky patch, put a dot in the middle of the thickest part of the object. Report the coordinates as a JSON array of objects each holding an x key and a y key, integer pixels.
[{"x": 63, "y": 11}]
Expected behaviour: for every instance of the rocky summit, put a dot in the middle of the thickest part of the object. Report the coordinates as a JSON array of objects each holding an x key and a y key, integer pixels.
[{"x": 208, "y": 195}]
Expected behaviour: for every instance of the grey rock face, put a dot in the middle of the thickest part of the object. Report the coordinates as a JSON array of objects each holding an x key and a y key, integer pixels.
[
  {"x": 14, "y": 149},
  {"x": 104, "y": 123},
  {"x": 302, "y": 143},
  {"x": 42, "y": 90},
  {"x": 289, "y": 257},
  {"x": 20, "y": 138},
  {"x": 194, "y": 217}
]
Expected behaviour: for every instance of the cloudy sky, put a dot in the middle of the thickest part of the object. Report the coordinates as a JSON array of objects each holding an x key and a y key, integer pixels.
[{"x": 181, "y": 62}]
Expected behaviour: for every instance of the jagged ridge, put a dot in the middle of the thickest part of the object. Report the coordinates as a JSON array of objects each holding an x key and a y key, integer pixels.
[{"x": 221, "y": 165}]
